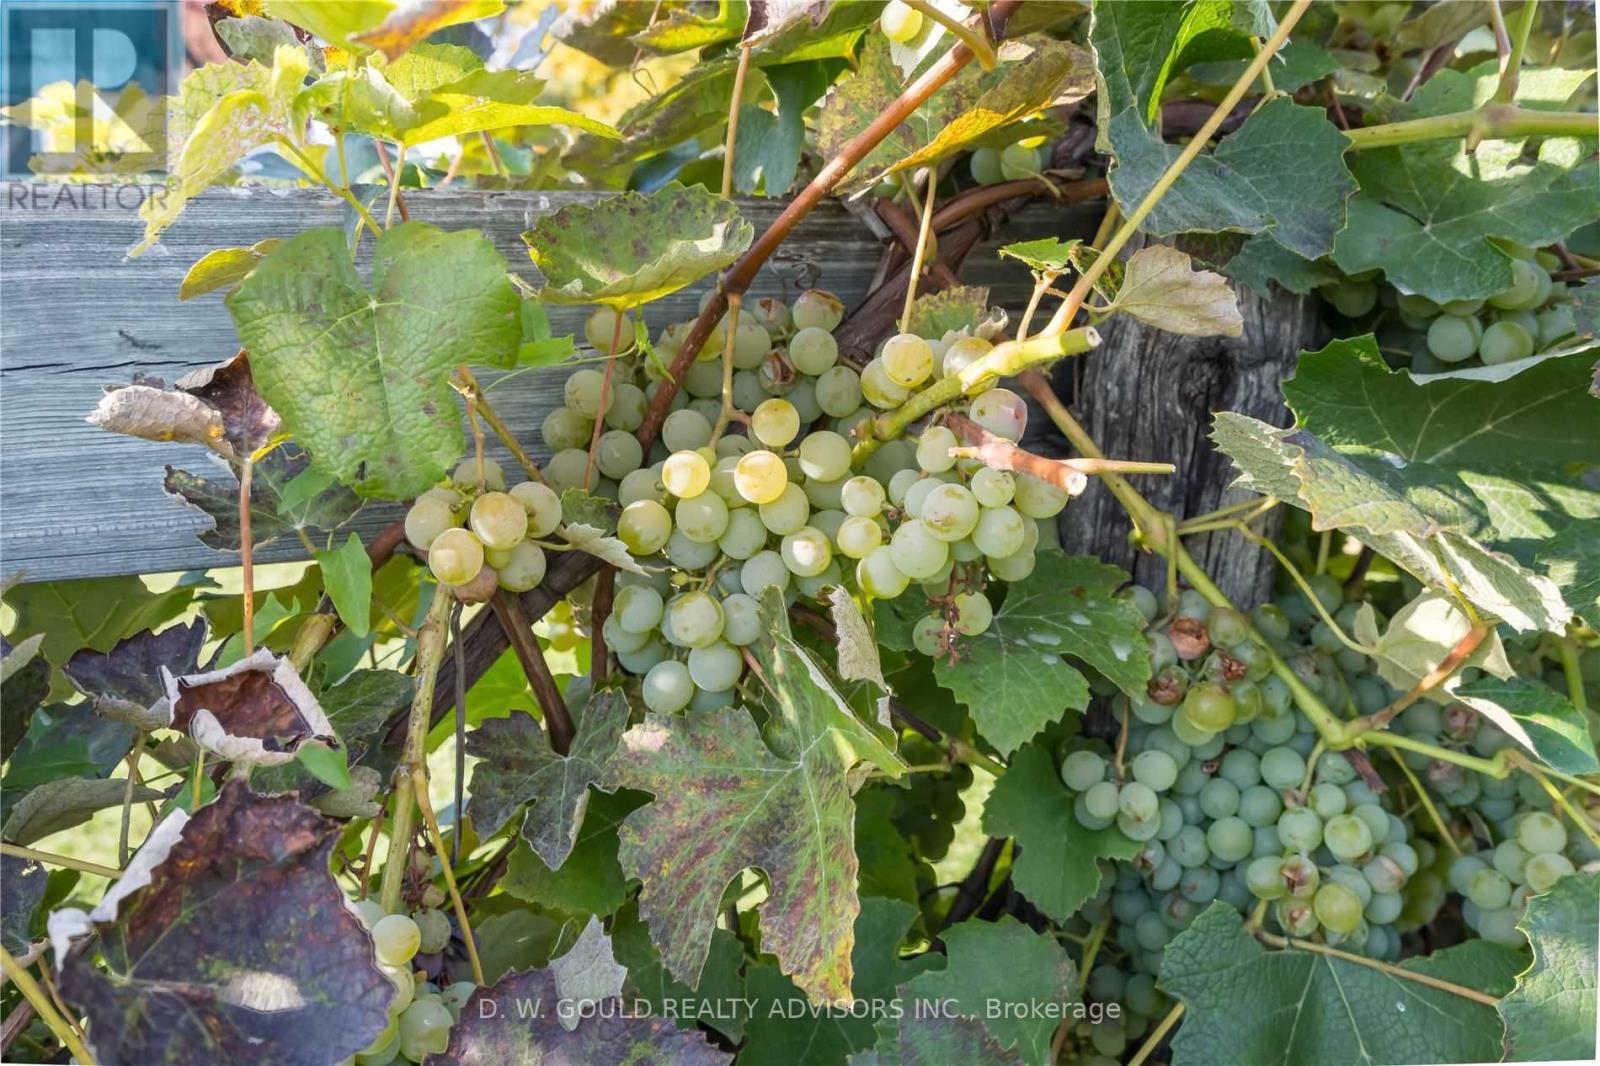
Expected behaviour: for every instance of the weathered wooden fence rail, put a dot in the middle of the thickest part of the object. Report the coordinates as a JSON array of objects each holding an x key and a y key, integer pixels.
[{"x": 76, "y": 501}]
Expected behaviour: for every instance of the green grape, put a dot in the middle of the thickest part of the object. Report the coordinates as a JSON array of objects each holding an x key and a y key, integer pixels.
[
  {"x": 741, "y": 619},
  {"x": 1327, "y": 799},
  {"x": 426, "y": 519},
  {"x": 567, "y": 469},
  {"x": 386, "y": 1045},
  {"x": 787, "y": 513},
  {"x": 1352, "y": 298},
  {"x": 1504, "y": 342},
  {"x": 455, "y": 556},
  {"x": 862, "y": 496},
  {"x": 1539, "y": 832},
  {"x": 1417, "y": 305},
  {"x": 838, "y": 391},
  {"x": 641, "y": 661},
  {"x": 825, "y": 456},
  {"x": 1230, "y": 839},
  {"x": 715, "y": 667},
  {"x": 1264, "y": 877},
  {"x": 899, "y": 23},
  {"x": 1376, "y": 818},
  {"x": 763, "y": 570},
  {"x": 667, "y": 687},
  {"x": 1138, "y": 801},
  {"x": 806, "y": 552},
  {"x": 521, "y": 568},
  {"x": 637, "y": 608},
  {"x": 1102, "y": 800},
  {"x": 1527, "y": 281},
  {"x": 1019, "y": 161},
  {"x": 907, "y": 360},
  {"x": 395, "y": 938},
  {"x": 775, "y": 423},
  {"x": 685, "y": 430},
  {"x": 1489, "y": 889},
  {"x": 813, "y": 351},
  {"x": 962, "y": 354},
  {"x": 435, "y": 930},
  {"x": 1259, "y": 806},
  {"x": 543, "y": 507},
  {"x": 619, "y": 454},
  {"x": 644, "y": 527},
  {"x": 1037, "y": 498},
  {"x": 1545, "y": 869},
  {"x": 498, "y": 520},
  {"x": 927, "y": 634},
  {"x": 619, "y": 639},
  {"x": 602, "y": 325},
  {"x": 879, "y": 389},
  {"x": 696, "y": 618},
  {"x": 985, "y": 166},
  {"x": 933, "y": 449},
  {"x": 467, "y": 473},
  {"x": 827, "y": 521},
  {"x": 994, "y": 488},
  {"x": 916, "y": 494},
  {"x": 1012, "y": 568},
  {"x": 1000, "y": 532},
  {"x": 1209, "y": 707},
  {"x": 974, "y": 613},
  {"x": 818, "y": 308},
  {"x": 745, "y": 534},
  {"x": 1081, "y": 770},
  {"x": 1347, "y": 836},
  {"x": 760, "y": 477},
  {"x": 1452, "y": 339},
  {"x": 368, "y": 911},
  {"x": 582, "y": 393},
  {"x": 950, "y": 512},
  {"x": 1156, "y": 769},
  {"x": 1295, "y": 917},
  {"x": 751, "y": 343},
  {"x": 686, "y": 474},
  {"x": 1300, "y": 829},
  {"x": 917, "y": 552},
  {"x": 1218, "y": 798},
  {"x": 878, "y": 575},
  {"x": 1554, "y": 324},
  {"x": 1001, "y": 412},
  {"x": 1337, "y": 908},
  {"x": 627, "y": 408},
  {"x": 1283, "y": 768},
  {"x": 702, "y": 519},
  {"x": 858, "y": 536}
]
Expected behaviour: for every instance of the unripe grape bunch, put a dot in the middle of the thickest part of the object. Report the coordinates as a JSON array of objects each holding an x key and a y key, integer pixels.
[{"x": 421, "y": 1012}]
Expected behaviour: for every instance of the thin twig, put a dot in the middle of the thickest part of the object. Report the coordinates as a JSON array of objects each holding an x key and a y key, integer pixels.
[
  {"x": 460, "y": 783},
  {"x": 498, "y": 425},
  {"x": 49, "y": 858},
  {"x": 1069, "y": 475},
  {"x": 58, "y": 1025},
  {"x": 605, "y": 398},
  {"x": 371, "y": 853},
  {"x": 734, "y": 106},
  {"x": 246, "y": 562},
  {"x": 1433, "y": 678},
  {"x": 419, "y": 783},
  {"x": 514, "y": 621},
  {"x": 1157, "y": 1035},
  {"x": 923, "y": 233},
  {"x": 975, "y": 886},
  {"x": 1373, "y": 964},
  {"x": 600, "y": 609},
  {"x": 396, "y": 200},
  {"x": 1426, "y": 801}
]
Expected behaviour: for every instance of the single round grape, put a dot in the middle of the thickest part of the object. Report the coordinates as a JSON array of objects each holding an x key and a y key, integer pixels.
[
  {"x": 426, "y": 519},
  {"x": 825, "y": 456},
  {"x": 1527, "y": 279},
  {"x": 603, "y": 324},
  {"x": 396, "y": 938},
  {"x": 542, "y": 504},
  {"x": 1102, "y": 800},
  {"x": 1452, "y": 339},
  {"x": 745, "y": 534},
  {"x": 993, "y": 488},
  {"x": 751, "y": 344},
  {"x": 1300, "y": 829},
  {"x": 667, "y": 687},
  {"x": 619, "y": 639},
  {"x": 685, "y": 430},
  {"x": 369, "y": 911},
  {"x": 1505, "y": 342},
  {"x": 1545, "y": 869},
  {"x": 862, "y": 496},
  {"x": 917, "y": 552},
  {"x": 1218, "y": 798},
  {"x": 916, "y": 494},
  {"x": 763, "y": 570},
  {"x": 1283, "y": 768},
  {"x": 1001, "y": 412},
  {"x": 715, "y": 667},
  {"x": 1000, "y": 532},
  {"x": 702, "y": 519},
  {"x": 1019, "y": 161},
  {"x": 1038, "y": 498},
  {"x": 1230, "y": 839},
  {"x": 1347, "y": 836},
  {"x": 775, "y": 423},
  {"x": 900, "y": 23},
  {"x": 741, "y": 619},
  {"x": 1081, "y": 770},
  {"x": 974, "y": 613},
  {"x": 788, "y": 512},
  {"x": 806, "y": 552},
  {"x": 907, "y": 360},
  {"x": 498, "y": 520},
  {"x": 455, "y": 556},
  {"x": 1012, "y": 568},
  {"x": 962, "y": 354},
  {"x": 1156, "y": 769},
  {"x": 644, "y": 527},
  {"x": 828, "y": 520},
  {"x": 879, "y": 576},
  {"x": 818, "y": 308},
  {"x": 686, "y": 474},
  {"x": 984, "y": 166},
  {"x": 627, "y": 407},
  {"x": 950, "y": 512},
  {"x": 567, "y": 469},
  {"x": 838, "y": 391},
  {"x": 1264, "y": 877},
  {"x": 813, "y": 351},
  {"x": 521, "y": 568},
  {"x": 1337, "y": 907},
  {"x": 1209, "y": 706},
  {"x": 1376, "y": 818},
  {"x": 1138, "y": 801},
  {"x": 695, "y": 618},
  {"x": 1539, "y": 831},
  {"x": 858, "y": 537},
  {"x": 1555, "y": 323},
  {"x": 435, "y": 928},
  {"x": 425, "y": 1029},
  {"x": 619, "y": 454},
  {"x": 494, "y": 479},
  {"x": 1489, "y": 889},
  {"x": 760, "y": 477},
  {"x": 927, "y": 634},
  {"x": 582, "y": 393},
  {"x": 1260, "y": 805},
  {"x": 933, "y": 449},
  {"x": 1352, "y": 298},
  {"x": 879, "y": 389}
]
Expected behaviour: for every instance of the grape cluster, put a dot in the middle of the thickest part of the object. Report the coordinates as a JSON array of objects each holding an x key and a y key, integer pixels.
[
  {"x": 1022, "y": 158},
  {"x": 421, "y": 1013},
  {"x": 782, "y": 499},
  {"x": 479, "y": 536},
  {"x": 1530, "y": 316}
]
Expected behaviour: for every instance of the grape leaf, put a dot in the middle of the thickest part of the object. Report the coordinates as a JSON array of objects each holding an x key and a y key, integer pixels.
[
  {"x": 1281, "y": 173},
  {"x": 681, "y": 29},
  {"x": 347, "y": 575},
  {"x": 124, "y": 684},
  {"x": 1537, "y": 717},
  {"x": 25, "y": 686},
  {"x": 253, "y": 37},
  {"x": 724, "y": 803},
  {"x": 57, "y": 805},
  {"x": 625, "y": 251},
  {"x": 1572, "y": 559},
  {"x": 485, "y": 100},
  {"x": 1263, "y": 262},
  {"x": 1248, "y": 1004},
  {"x": 587, "y": 973},
  {"x": 361, "y": 376},
  {"x": 90, "y": 612},
  {"x": 1002, "y": 962},
  {"x": 779, "y": 1035},
  {"x": 590, "y": 881},
  {"x": 961, "y": 308},
  {"x": 228, "y": 940},
  {"x": 22, "y": 885},
  {"x": 518, "y": 1020},
  {"x": 255, "y": 711},
  {"x": 1426, "y": 212},
  {"x": 769, "y": 145},
  {"x": 408, "y": 24},
  {"x": 516, "y": 939},
  {"x": 1550, "y": 1014},
  {"x": 1161, "y": 288},
  {"x": 1013, "y": 677},
  {"x": 720, "y": 983},
  {"x": 858, "y": 651},
  {"x": 223, "y": 268},
  {"x": 1035, "y": 73},
  {"x": 272, "y": 514},
  {"x": 605, "y": 30},
  {"x": 935, "y": 1041},
  {"x": 67, "y": 740},
  {"x": 356, "y": 707},
  {"x": 1420, "y": 636},
  {"x": 519, "y": 766},
  {"x": 360, "y": 99},
  {"x": 1057, "y": 861},
  {"x": 223, "y": 112}
]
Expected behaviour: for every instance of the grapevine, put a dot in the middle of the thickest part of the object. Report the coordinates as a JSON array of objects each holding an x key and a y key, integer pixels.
[{"x": 743, "y": 704}]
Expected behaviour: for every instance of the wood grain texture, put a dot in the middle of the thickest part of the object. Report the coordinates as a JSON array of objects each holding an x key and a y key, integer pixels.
[
  {"x": 1149, "y": 395},
  {"x": 80, "y": 502}
]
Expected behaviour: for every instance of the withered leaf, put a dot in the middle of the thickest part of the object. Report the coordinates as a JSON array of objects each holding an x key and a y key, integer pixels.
[
  {"x": 124, "y": 684},
  {"x": 258, "y": 710}
]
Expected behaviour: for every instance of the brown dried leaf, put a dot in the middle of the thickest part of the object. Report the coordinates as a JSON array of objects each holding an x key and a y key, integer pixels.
[{"x": 258, "y": 710}]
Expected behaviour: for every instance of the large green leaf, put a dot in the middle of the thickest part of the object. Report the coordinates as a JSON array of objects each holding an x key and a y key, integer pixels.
[
  {"x": 590, "y": 881},
  {"x": 1004, "y": 963},
  {"x": 1537, "y": 717},
  {"x": 361, "y": 376},
  {"x": 724, "y": 802},
  {"x": 1014, "y": 676},
  {"x": 721, "y": 982},
  {"x": 625, "y": 251},
  {"x": 90, "y": 612},
  {"x": 520, "y": 767},
  {"x": 1427, "y": 211},
  {"x": 1247, "y": 1004},
  {"x": 1058, "y": 861},
  {"x": 1550, "y": 1014}
]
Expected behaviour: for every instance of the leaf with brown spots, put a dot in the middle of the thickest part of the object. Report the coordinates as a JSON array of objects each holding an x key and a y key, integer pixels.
[
  {"x": 726, "y": 802},
  {"x": 625, "y": 251},
  {"x": 256, "y": 711},
  {"x": 227, "y": 940},
  {"x": 519, "y": 1021}
]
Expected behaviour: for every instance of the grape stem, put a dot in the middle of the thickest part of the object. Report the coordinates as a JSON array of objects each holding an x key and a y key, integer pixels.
[
  {"x": 1157, "y": 1035},
  {"x": 1511, "y": 60},
  {"x": 17, "y": 851},
  {"x": 920, "y": 252},
  {"x": 1305, "y": 586},
  {"x": 496, "y": 423},
  {"x": 1428, "y": 682},
  {"x": 430, "y": 652},
  {"x": 1393, "y": 971},
  {"x": 1557, "y": 796},
  {"x": 313, "y": 170},
  {"x": 974, "y": 37},
  {"x": 419, "y": 785},
  {"x": 734, "y": 106},
  {"x": 729, "y": 412},
  {"x": 1567, "y": 648},
  {"x": 1488, "y": 122},
  {"x": 1065, "y": 474},
  {"x": 519, "y": 630},
  {"x": 61, "y": 1027},
  {"x": 1427, "y": 802},
  {"x": 1247, "y": 512},
  {"x": 246, "y": 567}
]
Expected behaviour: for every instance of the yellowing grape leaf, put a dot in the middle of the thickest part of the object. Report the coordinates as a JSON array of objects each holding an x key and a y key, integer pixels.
[
  {"x": 625, "y": 251},
  {"x": 361, "y": 376},
  {"x": 724, "y": 802},
  {"x": 1161, "y": 288}
]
